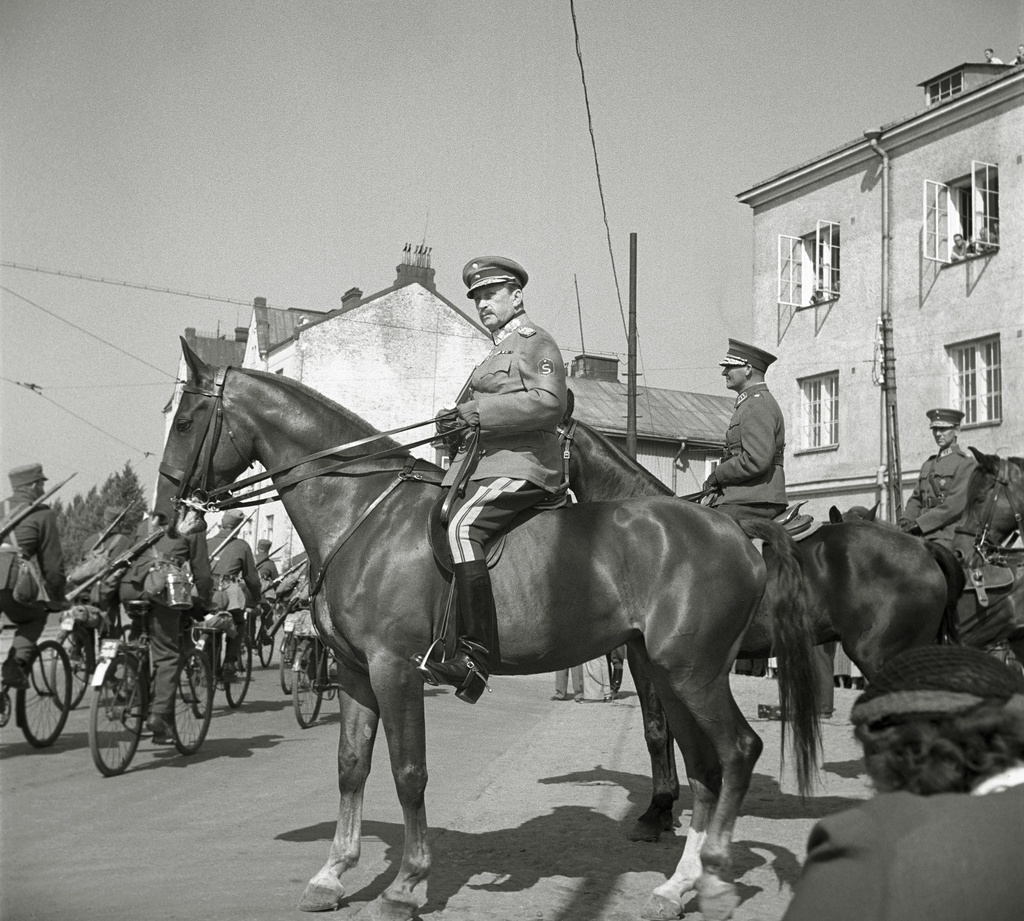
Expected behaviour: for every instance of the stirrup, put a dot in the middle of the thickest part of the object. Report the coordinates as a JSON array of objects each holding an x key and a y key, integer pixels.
[{"x": 423, "y": 666}]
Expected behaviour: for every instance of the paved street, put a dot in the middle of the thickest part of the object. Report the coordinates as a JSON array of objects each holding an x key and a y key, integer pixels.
[{"x": 529, "y": 803}]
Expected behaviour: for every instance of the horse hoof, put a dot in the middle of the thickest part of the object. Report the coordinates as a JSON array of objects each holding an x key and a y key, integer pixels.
[
  {"x": 650, "y": 825},
  {"x": 382, "y": 909},
  {"x": 661, "y": 908},
  {"x": 321, "y": 897},
  {"x": 717, "y": 898}
]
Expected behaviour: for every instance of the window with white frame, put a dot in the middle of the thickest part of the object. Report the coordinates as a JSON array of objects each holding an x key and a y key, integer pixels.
[
  {"x": 819, "y": 411},
  {"x": 976, "y": 380},
  {"x": 809, "y": 266},
  {"x": 961, "y": 217},
  {"x": 944, "y": 88}
]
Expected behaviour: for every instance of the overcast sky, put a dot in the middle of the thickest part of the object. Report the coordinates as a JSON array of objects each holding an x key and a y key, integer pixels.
[{"x": 290, "y": 150}]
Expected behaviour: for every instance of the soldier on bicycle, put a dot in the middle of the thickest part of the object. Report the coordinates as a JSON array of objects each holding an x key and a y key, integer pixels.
[{"x": 237, "y": 583}]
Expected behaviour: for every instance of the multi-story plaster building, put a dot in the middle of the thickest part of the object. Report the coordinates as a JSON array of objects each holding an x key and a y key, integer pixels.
[{"x": 825, "y": 244}]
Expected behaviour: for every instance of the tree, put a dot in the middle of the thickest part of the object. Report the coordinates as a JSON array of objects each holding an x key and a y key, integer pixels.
[{"x": 83, "y": 516}]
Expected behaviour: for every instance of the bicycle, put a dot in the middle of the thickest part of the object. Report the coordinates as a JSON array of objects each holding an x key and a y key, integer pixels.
[
  {"x": 211, "y": 642},
  {"x": 265, "y": 619},
  {"x": 296, "y": 617},
  {"x": 82, "y": 627},
  {"x": 42, "y": 708},
  {"x": 122, "y": 688},
  {"x": 315, "y": 677}
]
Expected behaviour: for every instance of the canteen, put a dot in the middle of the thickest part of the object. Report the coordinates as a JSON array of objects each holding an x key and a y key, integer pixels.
[{"x": 179, "y": 591}]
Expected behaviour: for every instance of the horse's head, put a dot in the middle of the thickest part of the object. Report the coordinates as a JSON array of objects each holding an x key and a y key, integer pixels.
[
  {"x": 995, "y": 497},
  {"x": 202, "y": 452}
]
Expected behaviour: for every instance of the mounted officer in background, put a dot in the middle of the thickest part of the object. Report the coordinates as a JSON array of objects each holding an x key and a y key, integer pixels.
[
  {"x": 515, "y": 399},
  {"x": 940, "y": 497},
  {"x": 750, "y": 480},
  {"x": 236, "y": 581},
  {"x": 32, "y": 577}
]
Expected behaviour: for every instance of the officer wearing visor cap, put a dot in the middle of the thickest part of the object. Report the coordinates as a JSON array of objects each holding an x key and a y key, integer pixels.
[
  {"x": 940, "y": 497},
  {"x": 750, "y": 479},
  {"x": 516, "y": 397}
]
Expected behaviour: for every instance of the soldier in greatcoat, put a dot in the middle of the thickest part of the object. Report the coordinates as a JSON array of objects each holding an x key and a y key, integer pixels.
[
  {"x": 516, "y": 397},
  {"x": 940, "y": 497},
  {"x": 750, "y": 479},
  {"x": 36, "y": 543}
]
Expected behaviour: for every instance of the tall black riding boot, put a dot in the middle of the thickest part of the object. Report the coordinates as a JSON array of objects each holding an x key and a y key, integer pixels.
[{"x": 477, "y": 627}]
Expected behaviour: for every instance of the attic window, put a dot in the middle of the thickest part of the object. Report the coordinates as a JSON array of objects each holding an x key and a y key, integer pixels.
[{"x": 946, "y": 87}]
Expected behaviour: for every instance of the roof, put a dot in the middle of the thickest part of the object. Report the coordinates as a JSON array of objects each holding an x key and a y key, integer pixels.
[
  {"x": 218, "y": 352},
  {"x": 860, "y": 142},
  {"x": 669, "y": 415},
  {"x": 276, "y": 325}
]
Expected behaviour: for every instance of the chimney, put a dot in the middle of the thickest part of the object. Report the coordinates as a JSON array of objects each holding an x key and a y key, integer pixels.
[
  {"x": 415, "y": 267},
  {"x": 241, "y": 334},
  {"x": 595, "y": 367},
  {"x": 351, "y": 298}
]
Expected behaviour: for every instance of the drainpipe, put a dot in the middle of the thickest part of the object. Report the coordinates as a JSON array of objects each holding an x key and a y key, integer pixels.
[
  {"x": 675, "y": 465},
  {"x": 892, "y": 436}
]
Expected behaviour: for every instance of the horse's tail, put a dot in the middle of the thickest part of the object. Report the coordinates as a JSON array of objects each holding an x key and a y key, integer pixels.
[
  {"x": 956, "y": 580},
  {"x": 792, "y": 643}
]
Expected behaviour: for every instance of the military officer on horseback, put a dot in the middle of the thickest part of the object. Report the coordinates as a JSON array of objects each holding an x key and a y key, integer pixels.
[
  {"x": 750, "y": 480},
  {"x": 940, "y": 497},
  {"x": 515, "y": 399}
]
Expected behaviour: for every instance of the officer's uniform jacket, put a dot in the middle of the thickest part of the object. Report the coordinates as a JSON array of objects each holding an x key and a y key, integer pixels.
[
  {"x": 37, "y": 537},
  {"x": 940, "y": 497},
  {"x": 519, "y": 390},
  {"x": 751, "y": 468},
  {"x": 235, "y": 563}
]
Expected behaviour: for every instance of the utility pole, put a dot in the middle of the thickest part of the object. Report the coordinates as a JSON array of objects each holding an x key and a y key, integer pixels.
[
  {"x": 894, "y": 491},
  {"x": 631, "y": 361}
]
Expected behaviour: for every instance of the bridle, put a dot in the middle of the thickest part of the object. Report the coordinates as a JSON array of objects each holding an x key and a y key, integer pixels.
[{"x": 1002, "y": 483}]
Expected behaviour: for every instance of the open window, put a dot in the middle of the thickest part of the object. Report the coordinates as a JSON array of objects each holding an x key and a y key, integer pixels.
[
  {"x": 961, "y": 217},
  {"x": 809, "y": 266}
]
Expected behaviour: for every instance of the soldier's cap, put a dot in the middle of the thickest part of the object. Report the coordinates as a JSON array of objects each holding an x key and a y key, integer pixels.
[
  {"x": 492, "y": 270},
  {"x": 944, "y": 418},
  {"x": 25, "y": 475},
  {"x": 263, "y": 545},
  {"x": 742, "y": 353},
  {"x": 110, "y": 513},
  {"x": 230, "y": 519}
]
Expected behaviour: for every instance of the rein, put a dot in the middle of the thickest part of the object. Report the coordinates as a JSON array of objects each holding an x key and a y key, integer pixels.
[{"x": 1002, "y": 482}]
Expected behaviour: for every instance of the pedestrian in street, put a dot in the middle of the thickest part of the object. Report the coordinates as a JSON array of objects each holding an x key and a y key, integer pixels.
[
  {"x": 942, "y": 728},
  {"x": 562, "y": 683},
  {"x": 32, "y": 556}
]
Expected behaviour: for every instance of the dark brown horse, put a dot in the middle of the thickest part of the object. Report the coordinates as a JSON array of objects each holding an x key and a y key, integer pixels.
[
  {"x": 677, "y": 585},
  {"x": 870, "y": 586}
]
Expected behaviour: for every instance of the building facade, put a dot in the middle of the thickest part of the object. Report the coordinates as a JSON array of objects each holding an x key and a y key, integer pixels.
[{"x": 952, "y": 233}]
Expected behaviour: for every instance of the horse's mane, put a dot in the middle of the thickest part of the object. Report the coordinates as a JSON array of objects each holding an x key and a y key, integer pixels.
[
  {"x": 617, "y": 467},
  {"x": 305, "y": 392}
]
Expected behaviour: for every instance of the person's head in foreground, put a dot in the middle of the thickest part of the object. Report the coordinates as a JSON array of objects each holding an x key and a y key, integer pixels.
[{"x": 941, "y": 719}]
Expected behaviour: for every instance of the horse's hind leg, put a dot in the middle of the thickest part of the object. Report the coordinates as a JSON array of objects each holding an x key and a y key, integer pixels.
[{"x": 359, "y": 719}]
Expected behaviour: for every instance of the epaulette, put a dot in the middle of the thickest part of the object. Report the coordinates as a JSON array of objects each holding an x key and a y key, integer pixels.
[{"x": 526, "y": 331}]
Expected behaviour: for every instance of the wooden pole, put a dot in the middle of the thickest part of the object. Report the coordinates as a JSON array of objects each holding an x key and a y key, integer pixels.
[{"x": 631, "y": 363}]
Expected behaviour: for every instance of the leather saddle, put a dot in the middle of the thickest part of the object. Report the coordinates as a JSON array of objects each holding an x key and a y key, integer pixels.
[
  {"x": 796, "y": 523},
  {"x": 994, "y": 574}
]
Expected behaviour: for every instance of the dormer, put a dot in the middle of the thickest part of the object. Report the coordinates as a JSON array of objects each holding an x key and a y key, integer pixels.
[{"x": 958, "y": 80}]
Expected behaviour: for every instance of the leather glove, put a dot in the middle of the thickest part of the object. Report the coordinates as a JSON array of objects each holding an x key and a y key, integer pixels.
[
  {"x": 909, "y": 527},
  {"x": 712, "y": 483},
  {"x": 469, "y": 413},
  {"x": 448, "y": 423}
]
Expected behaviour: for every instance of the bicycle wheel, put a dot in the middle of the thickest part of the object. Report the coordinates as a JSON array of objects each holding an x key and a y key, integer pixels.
[
  {"x": 287, "y": 660},
  {"x": 5, "y": 708},
  {"x": 42, "y": 708},
  {"x": 306, "y": 687},
  {"x": 115, "y": 719},
  {"x": 193, "y": 702},
  {"x": 81, "y": 652},
  {"x": 265, "y": 646},
  {"x": 236, "y": 690}
]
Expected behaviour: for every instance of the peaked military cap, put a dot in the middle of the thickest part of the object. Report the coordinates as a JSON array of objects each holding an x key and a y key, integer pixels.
[
  {"x": 492, "y": 270},
  {"x": 230, "y": 519},
  {"x": 944, "y": 418},
  {"x": 740, "y": 354},
  {"x": 263, "y": 545},
  {"x": 25, "y": 475}
]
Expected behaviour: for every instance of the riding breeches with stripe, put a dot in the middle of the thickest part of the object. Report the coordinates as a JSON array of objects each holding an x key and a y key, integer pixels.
[{"x": 488, "y": 506}]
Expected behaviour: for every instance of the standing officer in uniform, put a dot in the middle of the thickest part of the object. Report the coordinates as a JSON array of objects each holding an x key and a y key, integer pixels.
[
  {"x": 516, "y": 397},
  {"x": 265, "y": 566},
  {"x": 34, "y": 539},
  {"x": 940, "y": 497},
  {"x": 235, "y": 576},
  {"x": 750, "y": 478}
]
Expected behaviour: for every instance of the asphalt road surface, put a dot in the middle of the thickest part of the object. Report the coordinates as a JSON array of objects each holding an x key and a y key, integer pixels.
[{"x": 529, "y": 802}]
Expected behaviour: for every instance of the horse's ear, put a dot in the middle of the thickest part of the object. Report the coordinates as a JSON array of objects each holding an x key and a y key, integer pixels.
[
  {"x": 874, "y": 511},
  {"x": 570, "y": 405},
  {"x": 835, "y": 516},
  {"x": 198, "y": 369},
  {"x": 988, "y": 462}
]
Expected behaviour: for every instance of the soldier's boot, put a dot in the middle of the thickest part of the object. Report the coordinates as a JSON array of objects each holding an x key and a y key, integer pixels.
[
  {"x": 477, "y": 626},
  {"x": 616, "y": 677}
]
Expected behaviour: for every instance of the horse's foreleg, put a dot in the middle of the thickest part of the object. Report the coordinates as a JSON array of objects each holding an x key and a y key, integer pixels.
[
  {"x": 400, "y": 690},
  {"x": 664, "y": 778},
  {"x": 359, "y": 719}
]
